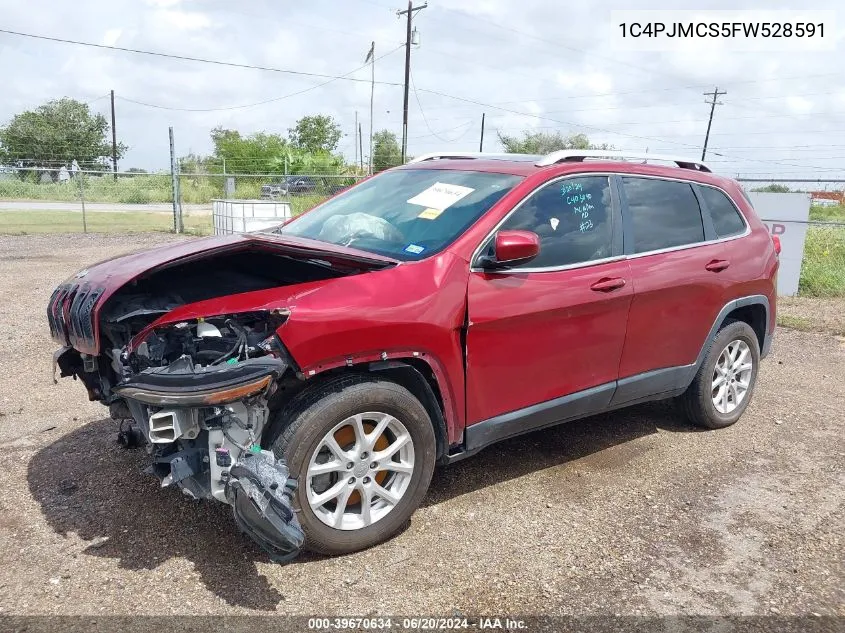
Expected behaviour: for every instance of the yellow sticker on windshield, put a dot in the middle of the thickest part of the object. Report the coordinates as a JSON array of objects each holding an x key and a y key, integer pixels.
[{"x": 430, "y": 214}]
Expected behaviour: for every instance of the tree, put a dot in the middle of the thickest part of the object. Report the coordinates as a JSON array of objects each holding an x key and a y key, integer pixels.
[
  {"x": 546, "y": 142},
  {"x": 56, "y": 134},
  {"x": 258, "y": 153},
  {"x": 774, "y": 188},
  {"x": 315, "y": 134},
  {"x": 386, "y": 151}
]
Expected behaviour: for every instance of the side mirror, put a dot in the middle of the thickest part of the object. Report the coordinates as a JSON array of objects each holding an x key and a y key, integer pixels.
[{"x": 511, "y": 248}]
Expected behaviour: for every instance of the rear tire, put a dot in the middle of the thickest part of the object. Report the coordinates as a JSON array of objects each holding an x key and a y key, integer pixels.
[
  {"x": 724, "y": 384},
  {"x": 326, "y": 413}
]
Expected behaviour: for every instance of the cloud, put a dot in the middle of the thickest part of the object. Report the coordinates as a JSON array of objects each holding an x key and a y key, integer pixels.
[
  {"x": 111, "y": 37},
  {"x": 799, "y": 104},
  {"x": 533, "y": 64},
  {"x": 183, "y": 20},
  {"x": 591, "y": 81}
]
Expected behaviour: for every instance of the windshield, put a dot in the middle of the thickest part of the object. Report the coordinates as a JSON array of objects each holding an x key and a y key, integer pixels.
[{"x": 407, "y": 214}]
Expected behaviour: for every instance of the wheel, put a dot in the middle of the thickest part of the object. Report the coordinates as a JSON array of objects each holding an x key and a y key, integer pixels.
[
  {"x": 363, "y": 451},
  {"x": 722, "y": 388}
]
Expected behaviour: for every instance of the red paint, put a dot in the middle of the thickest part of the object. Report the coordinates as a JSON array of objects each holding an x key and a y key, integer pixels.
[
  {"x": 538, "y": 336},
  {"x": 531, "y": 336},
  {"x": 516, "y": 246}
]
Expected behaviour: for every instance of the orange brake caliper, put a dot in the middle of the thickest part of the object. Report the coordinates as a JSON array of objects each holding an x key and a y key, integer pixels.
[{"x": 345, "y": 437}]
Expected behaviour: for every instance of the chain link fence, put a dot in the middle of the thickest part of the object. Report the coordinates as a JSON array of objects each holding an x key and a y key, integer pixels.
[
  {"x": 823, "y": 262},
  {"x": 39, "y": 200}
]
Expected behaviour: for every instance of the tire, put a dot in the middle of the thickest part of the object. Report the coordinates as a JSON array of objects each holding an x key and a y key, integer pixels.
[
  {"x": 697, "y": 401},
  {"x": 309, "y": 418}
]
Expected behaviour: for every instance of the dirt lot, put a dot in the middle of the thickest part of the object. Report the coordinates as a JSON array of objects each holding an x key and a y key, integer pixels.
[{"x": 633, "y": 512}]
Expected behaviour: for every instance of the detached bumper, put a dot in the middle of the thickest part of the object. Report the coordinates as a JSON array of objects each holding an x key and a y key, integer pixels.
[
  {"x": 182, "y": 384},
  {"x": 260, "y": 492}
]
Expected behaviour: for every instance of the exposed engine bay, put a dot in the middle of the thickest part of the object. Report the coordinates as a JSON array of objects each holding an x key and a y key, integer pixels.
[{"x": 197, "y": 392}]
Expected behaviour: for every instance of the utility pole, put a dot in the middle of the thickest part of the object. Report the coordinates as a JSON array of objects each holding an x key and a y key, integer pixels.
[
  {"x": 481, "y": 142},
  {"x": 371, "y": 56},
  {"x": 174, "y": 186},
  {"x": 361, "y": 145},
  {"x": 409, "y": 12},
  {"x": 715, "y": 94},
  {"x": 355, "y": 134},
  {"x": 113, "y": 139}
]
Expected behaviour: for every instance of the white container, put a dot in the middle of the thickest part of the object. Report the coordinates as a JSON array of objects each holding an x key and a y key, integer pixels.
[{"x": 242, "y": 216}]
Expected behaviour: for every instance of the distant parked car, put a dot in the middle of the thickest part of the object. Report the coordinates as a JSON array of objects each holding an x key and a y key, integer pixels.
[
  {"x": 304, "y": 185},
  {"x": 272, "y": 192}
]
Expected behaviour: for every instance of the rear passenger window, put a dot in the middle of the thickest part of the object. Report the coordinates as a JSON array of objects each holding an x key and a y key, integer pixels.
[
  {"x": 663, "y": 213},
  {"x": 726, "y": 219},
  {"x": 573, "y": 218}
]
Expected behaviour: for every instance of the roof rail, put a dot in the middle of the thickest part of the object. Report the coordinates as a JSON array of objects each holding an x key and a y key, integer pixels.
[
  {"x": 578, "y": 155},
  {"x": 480, "y": 155},
  {"x": 436, "y": 155}
]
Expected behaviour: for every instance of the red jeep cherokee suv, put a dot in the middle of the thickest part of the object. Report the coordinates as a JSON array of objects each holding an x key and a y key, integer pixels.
[{"x": 313, "y": 375}]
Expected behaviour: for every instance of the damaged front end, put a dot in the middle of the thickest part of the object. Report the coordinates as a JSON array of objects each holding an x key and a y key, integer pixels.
[
  {"x": 183, "y": 341},
  {"x": 198, "y": 393}
]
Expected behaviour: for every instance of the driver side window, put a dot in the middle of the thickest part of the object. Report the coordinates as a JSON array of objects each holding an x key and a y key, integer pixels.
[{"x": 573, "y": 218}]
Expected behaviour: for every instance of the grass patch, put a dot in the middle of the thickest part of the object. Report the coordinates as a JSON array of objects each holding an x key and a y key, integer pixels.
[
  {"x": 795, "y": 322},
  {"x": 827, "y": 214},
  {"x": 145, "y": 189},
  {"x": 25, "y": 222},
  {"x": 823, "y": 268},
  {"x": 301, "y": 204}
]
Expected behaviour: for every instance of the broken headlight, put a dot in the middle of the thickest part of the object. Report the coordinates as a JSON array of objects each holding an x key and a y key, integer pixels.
[{"x": 211, "y": 341}]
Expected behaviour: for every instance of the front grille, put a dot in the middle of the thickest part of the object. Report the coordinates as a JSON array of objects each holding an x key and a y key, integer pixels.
[{"x": 71, "y": 314}]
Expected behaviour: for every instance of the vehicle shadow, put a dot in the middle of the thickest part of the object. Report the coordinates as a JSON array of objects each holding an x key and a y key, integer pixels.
[
  {"x": 87, "y": 485},
  {"x": 584, "y": 440}
]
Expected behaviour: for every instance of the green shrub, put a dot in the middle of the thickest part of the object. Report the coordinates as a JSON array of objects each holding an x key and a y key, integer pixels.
[
  {"x": 135, "y": 196},
  {"x": 828, "y": 214},
  {"x": 823, "y": 268}
]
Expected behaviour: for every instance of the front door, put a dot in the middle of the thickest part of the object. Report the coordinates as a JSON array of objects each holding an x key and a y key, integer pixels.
[{"x": 545, "y": 337}]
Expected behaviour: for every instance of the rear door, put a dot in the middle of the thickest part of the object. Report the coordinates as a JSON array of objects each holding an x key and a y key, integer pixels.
[
  {"x": 681, "y": 280},
  {"x": 554, "y": 326}
]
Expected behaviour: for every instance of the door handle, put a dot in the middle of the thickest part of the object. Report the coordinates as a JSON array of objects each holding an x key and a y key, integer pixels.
[
  {"x": 608, "y": 284},
  {"x": 717, "y": 265}
]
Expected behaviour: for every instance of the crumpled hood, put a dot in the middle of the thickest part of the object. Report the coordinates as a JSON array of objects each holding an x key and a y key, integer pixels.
[
  {"x": 75, "y": 306},
  {"x": 114, "y": 272},
  {"x": 284, "y": 298}
]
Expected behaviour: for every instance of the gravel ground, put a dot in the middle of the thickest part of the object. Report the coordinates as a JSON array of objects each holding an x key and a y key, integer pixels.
[
  {"x": 813, "y": 313},
  {"x": 629, "y": 513}
]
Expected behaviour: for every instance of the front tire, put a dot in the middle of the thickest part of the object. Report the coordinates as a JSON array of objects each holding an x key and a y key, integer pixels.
[
  {"x": 723, "y": 386},
  {"x": 363, "y": 451}
]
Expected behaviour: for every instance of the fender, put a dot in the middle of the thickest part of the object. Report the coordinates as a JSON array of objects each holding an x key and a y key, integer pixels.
[
  {"x": 671, "y": 381},
  {"x": 453, "y": 418},
  {"x": 729, "y": 307}
]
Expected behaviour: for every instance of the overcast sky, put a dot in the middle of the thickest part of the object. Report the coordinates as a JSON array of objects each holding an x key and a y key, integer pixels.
[{"x": 544, "y": 65}]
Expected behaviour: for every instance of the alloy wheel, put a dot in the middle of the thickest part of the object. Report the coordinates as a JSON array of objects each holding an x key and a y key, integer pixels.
[
  {"x": 732, "y": 376},
  {"x": 360, "y": 470}
]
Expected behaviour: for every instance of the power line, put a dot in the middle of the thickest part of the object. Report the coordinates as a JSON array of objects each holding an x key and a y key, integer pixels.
[
  {"x": 422, "y": 112},
  {"x": 545, "y": 118},
  {"x": 194, "y": 59},
  {"x": 257, "y": 103}
]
